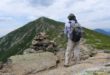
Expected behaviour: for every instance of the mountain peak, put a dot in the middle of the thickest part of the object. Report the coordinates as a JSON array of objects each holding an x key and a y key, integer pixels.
[{"x": 42, "y": 18}]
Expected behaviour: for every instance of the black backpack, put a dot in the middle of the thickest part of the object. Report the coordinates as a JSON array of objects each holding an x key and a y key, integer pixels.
[{"x": 76, "y": 34}]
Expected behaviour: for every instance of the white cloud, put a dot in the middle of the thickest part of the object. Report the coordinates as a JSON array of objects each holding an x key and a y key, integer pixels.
[
  {"x": 90, "y": 13},
  {"x": 6, "y": 19}
]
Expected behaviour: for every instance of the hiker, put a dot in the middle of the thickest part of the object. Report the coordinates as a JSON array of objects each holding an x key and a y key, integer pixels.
[{"x": 74, "y": 32}]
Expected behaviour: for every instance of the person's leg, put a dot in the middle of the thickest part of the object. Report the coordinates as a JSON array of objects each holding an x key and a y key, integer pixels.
[
  {"x": 68, "y": 52},
  {"x": 72, "y": 52},
  {"x": 77, "y": 53}
]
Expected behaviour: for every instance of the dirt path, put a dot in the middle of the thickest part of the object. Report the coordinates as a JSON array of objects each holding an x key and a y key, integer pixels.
[{"x": 96, "y": 62}]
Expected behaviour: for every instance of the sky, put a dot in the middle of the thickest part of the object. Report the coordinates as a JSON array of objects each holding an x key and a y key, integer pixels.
[{"x": 90, "y": 13}]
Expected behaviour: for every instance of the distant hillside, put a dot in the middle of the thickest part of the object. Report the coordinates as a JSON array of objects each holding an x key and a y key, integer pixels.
[
  {"x": 98, "y": 40},
  {"x": 103, "y": 31},
  {"x": 18, "y": 40}
]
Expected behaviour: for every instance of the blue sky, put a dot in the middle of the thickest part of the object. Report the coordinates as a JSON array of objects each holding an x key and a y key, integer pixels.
[{"x": 90, "y": 13}]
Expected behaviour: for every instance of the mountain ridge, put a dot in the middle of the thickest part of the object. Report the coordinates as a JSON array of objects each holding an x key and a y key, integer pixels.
[
  {"x": 102, "y": 31},
  {"x": 20, "y": 39}
]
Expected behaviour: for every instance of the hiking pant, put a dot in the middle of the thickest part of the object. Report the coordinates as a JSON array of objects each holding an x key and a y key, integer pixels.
[{"x": 72, "y": 52}]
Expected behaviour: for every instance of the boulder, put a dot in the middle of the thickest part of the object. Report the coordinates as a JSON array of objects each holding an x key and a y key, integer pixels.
[
  {"x": 86, "y": 51},
  {"x": 32, "y": 63}
]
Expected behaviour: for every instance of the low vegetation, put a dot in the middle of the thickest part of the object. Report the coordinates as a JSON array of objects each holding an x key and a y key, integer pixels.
[{"x": 19, "y": 40}]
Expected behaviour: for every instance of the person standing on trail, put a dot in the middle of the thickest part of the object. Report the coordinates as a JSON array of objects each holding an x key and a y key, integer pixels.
[{"x": 74, "y": 32}]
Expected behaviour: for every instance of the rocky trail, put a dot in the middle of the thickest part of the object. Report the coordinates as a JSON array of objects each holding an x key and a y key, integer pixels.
[
  {"x": 47, "y": 65},
  {"x": 99, "y": 62}
]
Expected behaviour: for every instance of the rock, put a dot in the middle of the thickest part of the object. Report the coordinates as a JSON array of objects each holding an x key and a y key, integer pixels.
[
  {"x": 1, "y": 65},
  {"x": 34, "y": 42},
  {"x": 7, "y": 74},
  {"x": 61, "y": 55},
  {"x": 41, "y": 36},
  {"x": 107, "y": 65},
  {"x": 32, "y": 63},
  {"x": 96, "y": 73},
  {"x": 29, "y": 50},
  {"x": 86, "y": 51},
  {"x": 41, "y": 42},
  {"x": 106, "y": 51},
  {"x": 101, "y": 73}
]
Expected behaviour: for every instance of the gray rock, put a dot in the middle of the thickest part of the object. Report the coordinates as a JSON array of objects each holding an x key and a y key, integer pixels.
[
  {"x": 86, "y": 51},
  {"x": 34, "y": 42},
  {"x": 7, "y": 74},
  {"x": 32, "y": 63},
  {"x": 106, "y": 51},
  {"x": 29, "y": 50}
]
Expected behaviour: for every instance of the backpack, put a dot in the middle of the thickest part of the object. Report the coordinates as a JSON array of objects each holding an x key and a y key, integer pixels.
[{"x": 76, "y": 33}]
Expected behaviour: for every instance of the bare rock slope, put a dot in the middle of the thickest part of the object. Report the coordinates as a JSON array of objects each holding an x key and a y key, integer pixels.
[
  {"x": 31, "y": 63},
  {"x": 46, "y": 64},
  {"x": 97, "y": 65}
]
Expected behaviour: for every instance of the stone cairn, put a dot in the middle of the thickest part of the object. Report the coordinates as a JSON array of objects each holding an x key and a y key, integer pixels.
[{"x": 41, "y": 43}]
